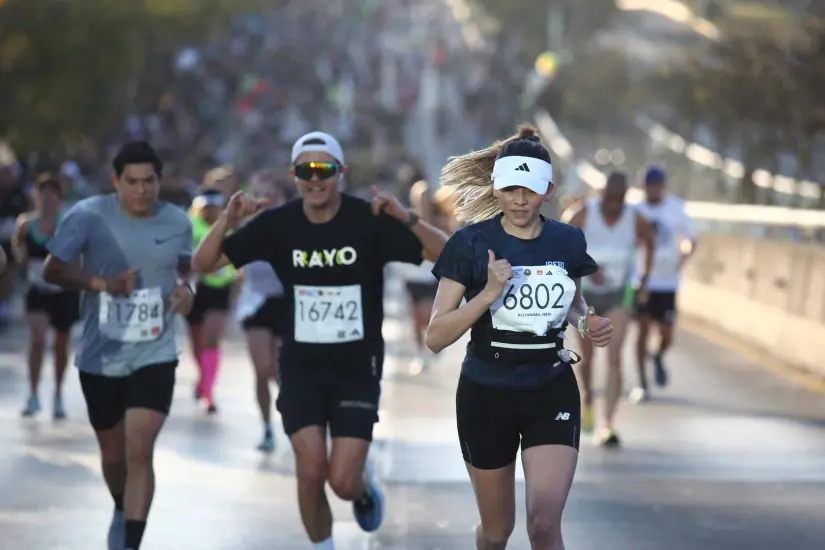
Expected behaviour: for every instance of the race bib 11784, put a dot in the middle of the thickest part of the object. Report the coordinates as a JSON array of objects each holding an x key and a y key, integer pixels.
[
  {"x": 134, "y": 318},
  {"x": 328, "y": 314},
  {"x": 536, "y": 300}
]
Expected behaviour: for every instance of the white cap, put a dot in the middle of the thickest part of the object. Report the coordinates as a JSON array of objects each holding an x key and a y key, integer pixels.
[
  {"x": 327, "y": 144},
  {"x": 532, "y": 173}
]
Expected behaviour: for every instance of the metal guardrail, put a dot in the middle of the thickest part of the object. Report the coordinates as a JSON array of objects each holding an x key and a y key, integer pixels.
[{"x": 594, "y": 179}]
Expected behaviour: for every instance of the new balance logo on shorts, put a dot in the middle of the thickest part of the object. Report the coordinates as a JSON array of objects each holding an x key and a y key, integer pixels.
[
  {"x": 563, "y": 416},
  {"x": 523, "y": 168}
]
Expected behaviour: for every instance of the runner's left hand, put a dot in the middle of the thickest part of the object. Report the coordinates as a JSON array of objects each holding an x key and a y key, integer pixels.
[
  {"x": 599, "y": 330},
  {"x": 182, "y": 299},
  {"x": 385, "y": 202}
]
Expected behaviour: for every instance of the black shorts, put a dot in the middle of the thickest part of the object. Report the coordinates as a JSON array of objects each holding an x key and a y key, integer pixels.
[
  {"x": 209, "y": 298},
  {"x": 660, "y": 306},
  {"x": 422, "y": 291},
  {"x": 62, "y": 308},
  {"x": 272, "y": 315},
  {"x": 108, "y": 398},
  {"x": 492, "y": 422},
  {"x": 345, "y": 399}
]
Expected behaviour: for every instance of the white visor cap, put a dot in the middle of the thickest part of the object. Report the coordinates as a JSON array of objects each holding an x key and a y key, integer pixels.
[
  {"x": 531, "y": 173},
  {"x": 319, "y": 142}
]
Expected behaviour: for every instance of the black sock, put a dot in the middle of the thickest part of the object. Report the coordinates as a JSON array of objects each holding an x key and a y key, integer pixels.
[
  {"x": 118, "y": 502},
  {"x": 134, "y": 533}
]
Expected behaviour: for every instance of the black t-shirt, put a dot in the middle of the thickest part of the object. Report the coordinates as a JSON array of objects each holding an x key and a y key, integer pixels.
[
  {"x": 333, "y": 274},
  {"x": 544, "y": 267}
]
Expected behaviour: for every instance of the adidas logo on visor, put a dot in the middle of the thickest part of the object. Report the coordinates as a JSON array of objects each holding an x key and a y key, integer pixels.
[{"x": 523, "y": 168}]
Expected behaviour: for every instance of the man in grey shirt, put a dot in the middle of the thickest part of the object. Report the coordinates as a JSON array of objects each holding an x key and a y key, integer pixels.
[{"x": 136, "y": 253}]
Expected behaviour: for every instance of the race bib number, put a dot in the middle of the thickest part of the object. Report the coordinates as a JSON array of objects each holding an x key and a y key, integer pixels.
[
  {"x": 34, "y": 274},
  {"x": 536, "y": 300},
  {"x": 328, "y": 314},
  {"x": 134, "y": 318}
]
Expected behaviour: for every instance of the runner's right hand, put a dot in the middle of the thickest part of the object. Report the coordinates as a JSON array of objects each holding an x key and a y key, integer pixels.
[
  {"x": 121, "y": 284},
  {"x": 498, "y": 273},
  {"x": 242, "y": 205}
]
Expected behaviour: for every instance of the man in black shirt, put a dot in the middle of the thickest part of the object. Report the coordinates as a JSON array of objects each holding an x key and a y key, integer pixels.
[{"x": 329, "y": 249}]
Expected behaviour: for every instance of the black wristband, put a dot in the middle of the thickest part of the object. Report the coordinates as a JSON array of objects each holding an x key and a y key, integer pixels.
[{"x": 414, "y": 219}]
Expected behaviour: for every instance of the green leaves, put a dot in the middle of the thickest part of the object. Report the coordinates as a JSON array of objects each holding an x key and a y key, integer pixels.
[{"x": 68, "y": 68}]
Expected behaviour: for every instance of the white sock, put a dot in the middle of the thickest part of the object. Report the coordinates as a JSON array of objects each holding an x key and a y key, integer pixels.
[{"x": 324, "y": 545}]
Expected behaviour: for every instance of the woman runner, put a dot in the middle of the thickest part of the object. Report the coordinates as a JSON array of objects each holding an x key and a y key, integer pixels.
[
  {"x": 521, "y": 276},
  {"x": 212, "y": 297},
  {"x": 264, "y": 311},
  {"x": 46, "y": 304}
]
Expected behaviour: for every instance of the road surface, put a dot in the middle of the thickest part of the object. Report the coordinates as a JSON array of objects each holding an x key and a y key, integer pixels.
[{"x": 728, "y": 457}]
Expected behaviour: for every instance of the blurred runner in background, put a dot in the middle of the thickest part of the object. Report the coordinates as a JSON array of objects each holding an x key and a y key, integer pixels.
[
  {"x": 47, "y": 305},
  {"x": 212, "y": 299},
  {"x": 420, "y": 282},
  {"x": 263, "y": 311}
]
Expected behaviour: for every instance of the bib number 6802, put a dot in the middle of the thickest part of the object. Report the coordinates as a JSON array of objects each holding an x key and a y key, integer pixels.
[{"x": 528, "y": 296}]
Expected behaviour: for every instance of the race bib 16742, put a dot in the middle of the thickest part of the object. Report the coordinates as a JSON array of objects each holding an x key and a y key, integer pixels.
[{"x": 328, "y": 314}]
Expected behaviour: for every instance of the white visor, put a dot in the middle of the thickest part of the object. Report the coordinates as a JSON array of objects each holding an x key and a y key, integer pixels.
[
  {"x": 212, "y": 199},
  {"x": 531, "y": 173}
]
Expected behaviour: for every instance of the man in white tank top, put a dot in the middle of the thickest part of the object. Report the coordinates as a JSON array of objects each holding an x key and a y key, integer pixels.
[{"x": 613, "y": 231}]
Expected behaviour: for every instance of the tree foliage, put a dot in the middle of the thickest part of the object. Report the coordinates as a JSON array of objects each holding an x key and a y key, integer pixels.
[
  {"x": 68, "y": 67},
  {"x": 758, "y": 89},
  {"x": 581, "y": 19}
]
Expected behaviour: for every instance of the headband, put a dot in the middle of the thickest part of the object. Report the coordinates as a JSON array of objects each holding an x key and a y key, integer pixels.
[
  {"x": 531, "y": 173},
  {"x": 209, "y": 199}
]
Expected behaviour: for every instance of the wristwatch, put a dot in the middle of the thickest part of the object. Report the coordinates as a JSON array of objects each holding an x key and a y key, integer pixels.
[
  {"x": 581, "y": 326},
  {"x": 414, "y": 219}
]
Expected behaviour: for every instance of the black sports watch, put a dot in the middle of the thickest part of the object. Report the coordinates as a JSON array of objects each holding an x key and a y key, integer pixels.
[{"x": 414, "y": 219}]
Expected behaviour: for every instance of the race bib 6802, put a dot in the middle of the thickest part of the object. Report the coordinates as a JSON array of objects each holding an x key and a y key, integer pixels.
[{"x": 536, "y": 300}]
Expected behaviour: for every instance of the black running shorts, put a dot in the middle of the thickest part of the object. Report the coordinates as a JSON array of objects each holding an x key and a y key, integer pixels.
[
  {"x": 345, "y": 399},
  {"x": 660, "y": 306},
  {"x": 209, "y": 298},
  {"x": 107, "y": 398},
  {"x": 271, "y": 315},
  {"x": 62, "y": 308},
  {"x": 492, "y": 422}
]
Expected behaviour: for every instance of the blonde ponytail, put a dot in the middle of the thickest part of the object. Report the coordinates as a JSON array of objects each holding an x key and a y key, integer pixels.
[{"x": 469, "y": 178}]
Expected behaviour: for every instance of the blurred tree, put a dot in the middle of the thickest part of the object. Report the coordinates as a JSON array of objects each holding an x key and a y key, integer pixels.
[
  {"x": 758, "y": 91},
  {"x": 528, "y": 18},
  {"x": 69, "y": 69}
]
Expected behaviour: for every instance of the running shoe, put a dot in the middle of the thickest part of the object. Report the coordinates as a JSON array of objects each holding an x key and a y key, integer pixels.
[
  {"x": 58, "y": 411},
  {"x": 117, "y": 531},
  {"x": 369, "y": 509},
  {"x": 587, "y": 419},
  {"x": 609, "y": 438},
  {"x": 639, "y": 395},
  {"x": 659, "y": 370},
  {"x": 267, "y": 445},
  {"x": 32, "y": 406}
]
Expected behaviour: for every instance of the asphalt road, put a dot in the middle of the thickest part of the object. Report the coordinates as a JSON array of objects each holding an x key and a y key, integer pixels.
[{"x": 727, "y": 457}]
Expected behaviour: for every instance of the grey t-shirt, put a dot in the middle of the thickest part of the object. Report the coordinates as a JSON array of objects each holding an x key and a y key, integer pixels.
[{"x": 138, "y": 330}]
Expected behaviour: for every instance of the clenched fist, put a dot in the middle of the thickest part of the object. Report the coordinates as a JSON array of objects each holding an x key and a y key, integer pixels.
[
  {"x": 242, "y": 205},
  {"x": 498, "y": 273}
]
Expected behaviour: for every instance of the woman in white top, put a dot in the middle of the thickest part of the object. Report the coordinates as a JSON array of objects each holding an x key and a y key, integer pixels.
[
  {"x": 420, "y": 282},
  {"x": 263, "y": 310}
]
